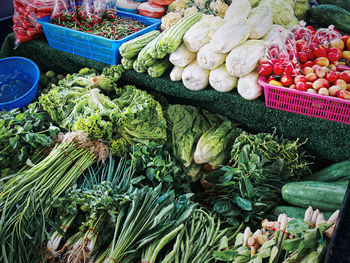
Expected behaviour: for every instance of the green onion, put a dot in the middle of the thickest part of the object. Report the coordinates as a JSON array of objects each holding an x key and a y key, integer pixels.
[{"x": 27, "y": 196}]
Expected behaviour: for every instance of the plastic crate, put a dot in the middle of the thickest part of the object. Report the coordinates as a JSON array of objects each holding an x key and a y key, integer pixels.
[
  {"x": 19, "y": 79},
  {"x": 89, "y": 45},
  {"x": 315, "y": 105}
]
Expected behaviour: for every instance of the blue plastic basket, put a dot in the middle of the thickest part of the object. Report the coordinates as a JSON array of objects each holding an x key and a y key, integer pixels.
[
  {"x": 89, "y": 45},
  {"x": 19, "y": 79}
]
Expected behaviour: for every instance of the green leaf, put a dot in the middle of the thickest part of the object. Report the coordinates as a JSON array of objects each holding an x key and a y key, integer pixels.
[
  {"x": 150, "y": 173},
  {"x": 225, "y": 255},
  {"x": 243, "y": 157},
  {"x": 19, "y": 116},
  {"x": 313, "y": 257},
  {"x": 234, "y": 212},
  {"x": 215, "y": 176},
  {"x": 223, "y": 206},
  {"x": 233, "y": 221},
  {"x": 311, "y": 238},
  {"x": 292, "y": 245},
  {"x": 249, "y": 187},
  {"x": 269, "y": 243},
  {"x": 14, "y": 141},
  {"x": 243, "y": 251},
  {"x": 264, "y": 253},
  {"x": 239, "y": 239},
  {"x": 297, "y": 226},
  {"x": 256, "y": 259},
  {"x": 241, "y": 259},
  {"x": 245, "y": 204},
  {"x": 274, "y": 252}
]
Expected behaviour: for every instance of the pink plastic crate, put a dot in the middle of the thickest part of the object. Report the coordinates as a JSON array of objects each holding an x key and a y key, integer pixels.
[{"x": 319, "y": 106}]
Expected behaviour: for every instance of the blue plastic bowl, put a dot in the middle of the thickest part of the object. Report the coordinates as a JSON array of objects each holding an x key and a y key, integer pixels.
[{"x": 19, "y": 79}]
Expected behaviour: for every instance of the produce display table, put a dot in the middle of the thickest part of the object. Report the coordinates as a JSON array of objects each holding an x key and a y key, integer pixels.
[{"x": 327, "y": 140}]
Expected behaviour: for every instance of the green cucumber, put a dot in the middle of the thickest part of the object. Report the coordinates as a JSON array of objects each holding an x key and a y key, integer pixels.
[
  {"x": 127, "y": 62},
  {"x": 335, "y": 172},
  {"x": 341, "y": 3},
  {"x": 294, "y": 211},
  {"x": 326, "y": 15},
  {"x": 320, "y": 195},
  {"x": 159, "y": 67},
  {"x": 131, "y": 48}
]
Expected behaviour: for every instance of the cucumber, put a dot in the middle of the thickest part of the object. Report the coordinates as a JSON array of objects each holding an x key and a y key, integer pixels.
[
  {"x": 326, "y": 15},
  {"x": 341, "y": 3},
  {"x": 131, "y": 48},
  {"x": 335, "y": 172},
  {"x": 320, "y": 195},
  {"x": 159, "y": 67},
  {"x": 128, "y": 62},
  {"x": 294, "y": 211}
]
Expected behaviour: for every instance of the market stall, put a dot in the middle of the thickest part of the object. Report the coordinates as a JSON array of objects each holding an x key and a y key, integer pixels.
[
  {"x": 322, "y": 135},
  {"x": 172, "y": 155}
]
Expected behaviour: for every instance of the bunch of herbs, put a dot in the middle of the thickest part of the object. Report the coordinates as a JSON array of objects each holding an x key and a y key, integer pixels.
[
  {"x": 160, "y": 166},
  {"x": 249, "y": 188},
  {"x": 22, "y": 135}
]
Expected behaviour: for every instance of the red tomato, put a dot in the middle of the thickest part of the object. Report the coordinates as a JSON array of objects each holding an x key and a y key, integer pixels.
[
  {"x": 278, "y": 69},
  {"x": 302, "y": 56},
  {"x": 344, "y": 76},
  {"x": 332, "y": 76},
  {"x": 288, "y": 69},
  {"x": 308, "y": 64},
  {"x": 299, "y": 78},
  {"x": 265, "y": 69},
  {"x": 286, "y": 80},
  {"x": 344, "y": 94},
  {"x": 321, "y": 51},
  {"x": 301, "y": 86}
]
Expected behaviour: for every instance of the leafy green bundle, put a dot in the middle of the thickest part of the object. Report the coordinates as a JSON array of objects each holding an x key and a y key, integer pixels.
[
  {"x": 25, "y": 199},
  {"x": 185, "y": 126},
  {"x": 132, "y": 117},
  {"x": 251, "y": 185},
  {"x": 201, "y": 139},
  {"x": 22, "y": 134},
  {"x": 159, "y": 165}
]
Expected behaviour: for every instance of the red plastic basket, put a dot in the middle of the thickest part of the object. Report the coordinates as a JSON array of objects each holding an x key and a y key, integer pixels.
[{"x": 315, "y": 105}]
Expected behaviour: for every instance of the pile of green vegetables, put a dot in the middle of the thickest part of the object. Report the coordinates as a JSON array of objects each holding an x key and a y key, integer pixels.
[
  {"x": 149, "y": 52},
  {"x": 110, "y": 216},
  {"x": 250, "y": 186},
  {"x": 286, "y": 240},
  {"x": 127, "y": 116},
  {"x": 133, "y": 180},
  {"x": 23, "y": 137}
]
